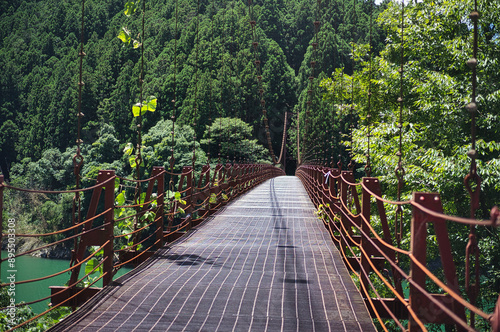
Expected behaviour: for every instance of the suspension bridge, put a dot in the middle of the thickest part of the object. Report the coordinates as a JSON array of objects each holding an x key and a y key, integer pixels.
[
  {"x": 261, "y": 264},
  {"x": 238, "y": 246},
  {"x": 250, "y": 254}
]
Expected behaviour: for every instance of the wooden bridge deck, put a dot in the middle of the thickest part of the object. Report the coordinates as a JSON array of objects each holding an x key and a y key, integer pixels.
[{"x": 264, "y": 264}]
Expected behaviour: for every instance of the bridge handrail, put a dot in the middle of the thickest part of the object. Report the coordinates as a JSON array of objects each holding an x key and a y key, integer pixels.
[{"x": 334, "y": 194}]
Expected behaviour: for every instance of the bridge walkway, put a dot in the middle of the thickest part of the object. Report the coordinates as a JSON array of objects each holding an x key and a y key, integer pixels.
[{"x": 265, "y": 263}]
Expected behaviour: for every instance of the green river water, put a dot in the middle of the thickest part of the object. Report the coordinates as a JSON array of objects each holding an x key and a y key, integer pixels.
[{"x": 29, "y": 267}]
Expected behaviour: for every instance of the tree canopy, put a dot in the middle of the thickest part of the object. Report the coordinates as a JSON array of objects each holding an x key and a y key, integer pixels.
[{"x": 213, "y": 69}]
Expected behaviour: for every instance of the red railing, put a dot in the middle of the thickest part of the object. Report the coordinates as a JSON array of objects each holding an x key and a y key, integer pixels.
[
  {"x": 169, "y": 205},
  {"x": 375, "y": 259}
]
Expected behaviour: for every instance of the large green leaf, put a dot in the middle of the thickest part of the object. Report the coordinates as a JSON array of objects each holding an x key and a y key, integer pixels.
[
  {"x": 138, "y": 109},
  {"x": 124, "y": 35},
  {"x": 91, "y": 264},
  {"x": 132, "y": 162},
  {"x": 120, "y": 199},
  {"x": 142, "y": 108},
  {"x": 131, "y": 7},
  {"x": 149, "y": 216},
  {"x": 129, "y": 148},
  {"x": 151, "y": 103}
]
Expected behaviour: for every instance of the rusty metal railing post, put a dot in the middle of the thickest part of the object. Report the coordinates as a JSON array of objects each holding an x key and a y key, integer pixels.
[
  {"x": 188, "y": 171},
  {"x": 237, "y": 172},
  {"x": 419, "y": 251},
  {"x": 495, "y": 320},
  {"x": 344, "y": 187},
  {"x": 109, "y": 221},
  {"x": 90, "y": 239},
  {"x": 158, "y": 172},
  {"x": 189, "y": 187},
  {"x": 366, "y": 212},
  {"x": 231, "y": 179}
]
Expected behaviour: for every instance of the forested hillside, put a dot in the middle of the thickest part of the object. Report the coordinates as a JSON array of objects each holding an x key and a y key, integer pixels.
[{"x": 38, "y": 57}]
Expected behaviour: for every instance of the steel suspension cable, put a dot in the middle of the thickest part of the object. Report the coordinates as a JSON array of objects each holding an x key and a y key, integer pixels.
[
  {"x": 220, "y": 136},
  {"x": 312, "y": 86},
  {"x": 309, "y": 146},
  {"x": 399, "y": 171},
  {"x": 224, "y": 82},
  {"x": 211, "y": 84},
  {"x": 341, "y": 88},
  {"x": 473, "y": 181},
  {"x": 283, "y": 139},
  {"x": 221, "y": 108},
  {"x": 332, "y": 135},
  {"x": 257, "y": 62},
  {"x": 196, "y": 68},
  {"x": 235, "y": 71},
  {"x": 352, "y": 164},
  {"x": 368, "y": 167},
  {"x": 326, "y": 113},
  {"x": 299, "y": 160},
  {"x": 329, "y": 113},
  {"x": 174, "y": 101},
  {"x": 78, "y": 159},
  {"x": 138, "y": 157}
]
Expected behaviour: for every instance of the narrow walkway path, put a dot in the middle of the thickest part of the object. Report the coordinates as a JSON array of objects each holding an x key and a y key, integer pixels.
[{"x": 264, "y": 264}]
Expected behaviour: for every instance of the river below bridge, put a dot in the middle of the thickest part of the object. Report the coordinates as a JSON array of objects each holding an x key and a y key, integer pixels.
[{"x": 29, "y": 267}]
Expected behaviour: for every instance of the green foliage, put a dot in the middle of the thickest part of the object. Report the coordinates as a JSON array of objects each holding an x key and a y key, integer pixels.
[
  {"x": 131, "y": 7},
  {"x": 321, "y": 213},
  {"x": 213, "y": 198},
  {"x": 346, "y": 24},
  {"x": 234, "y": 137},
  {"x": 148, "y": 105},
  {"x": 435, "y": 125},
  {"x": 158, "y": 143},
  {"x": 38, "y": 85},
  {"x": 124, "y": 35},
  {"x": 24, "y": 313}
]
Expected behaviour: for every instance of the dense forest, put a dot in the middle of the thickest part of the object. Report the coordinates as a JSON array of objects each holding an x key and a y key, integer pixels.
[
  {"x": 209, "y": 55},
  {"x": 199, "y": 64}
]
